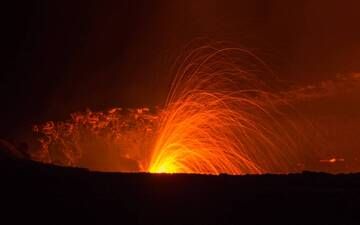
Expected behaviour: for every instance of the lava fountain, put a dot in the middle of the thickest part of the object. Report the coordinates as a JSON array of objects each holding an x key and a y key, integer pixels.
[{"x": 219, "y": 117}]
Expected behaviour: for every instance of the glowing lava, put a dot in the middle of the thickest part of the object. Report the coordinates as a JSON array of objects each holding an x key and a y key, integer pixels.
[{"x": 218, "y": 118}]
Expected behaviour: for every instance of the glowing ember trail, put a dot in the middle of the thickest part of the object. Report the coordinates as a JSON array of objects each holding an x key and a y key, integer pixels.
[{"x": 218, "y": 118}]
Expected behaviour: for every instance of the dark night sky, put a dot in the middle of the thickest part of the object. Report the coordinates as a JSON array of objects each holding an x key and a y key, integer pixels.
[{"x": 64, "y": 56}]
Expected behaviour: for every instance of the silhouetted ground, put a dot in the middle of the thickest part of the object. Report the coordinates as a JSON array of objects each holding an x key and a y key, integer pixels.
[{"x": 35, "y": 193}]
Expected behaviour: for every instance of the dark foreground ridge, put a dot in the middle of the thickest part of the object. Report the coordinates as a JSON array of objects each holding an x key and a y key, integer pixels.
[{"x": 44, "y": 194}]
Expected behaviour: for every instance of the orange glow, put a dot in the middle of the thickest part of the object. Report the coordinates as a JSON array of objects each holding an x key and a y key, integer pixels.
[
  {"x": 332, "y": 160},
  {"x": 218, "y": 118},
  {"x": 113, "y": 140}
]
